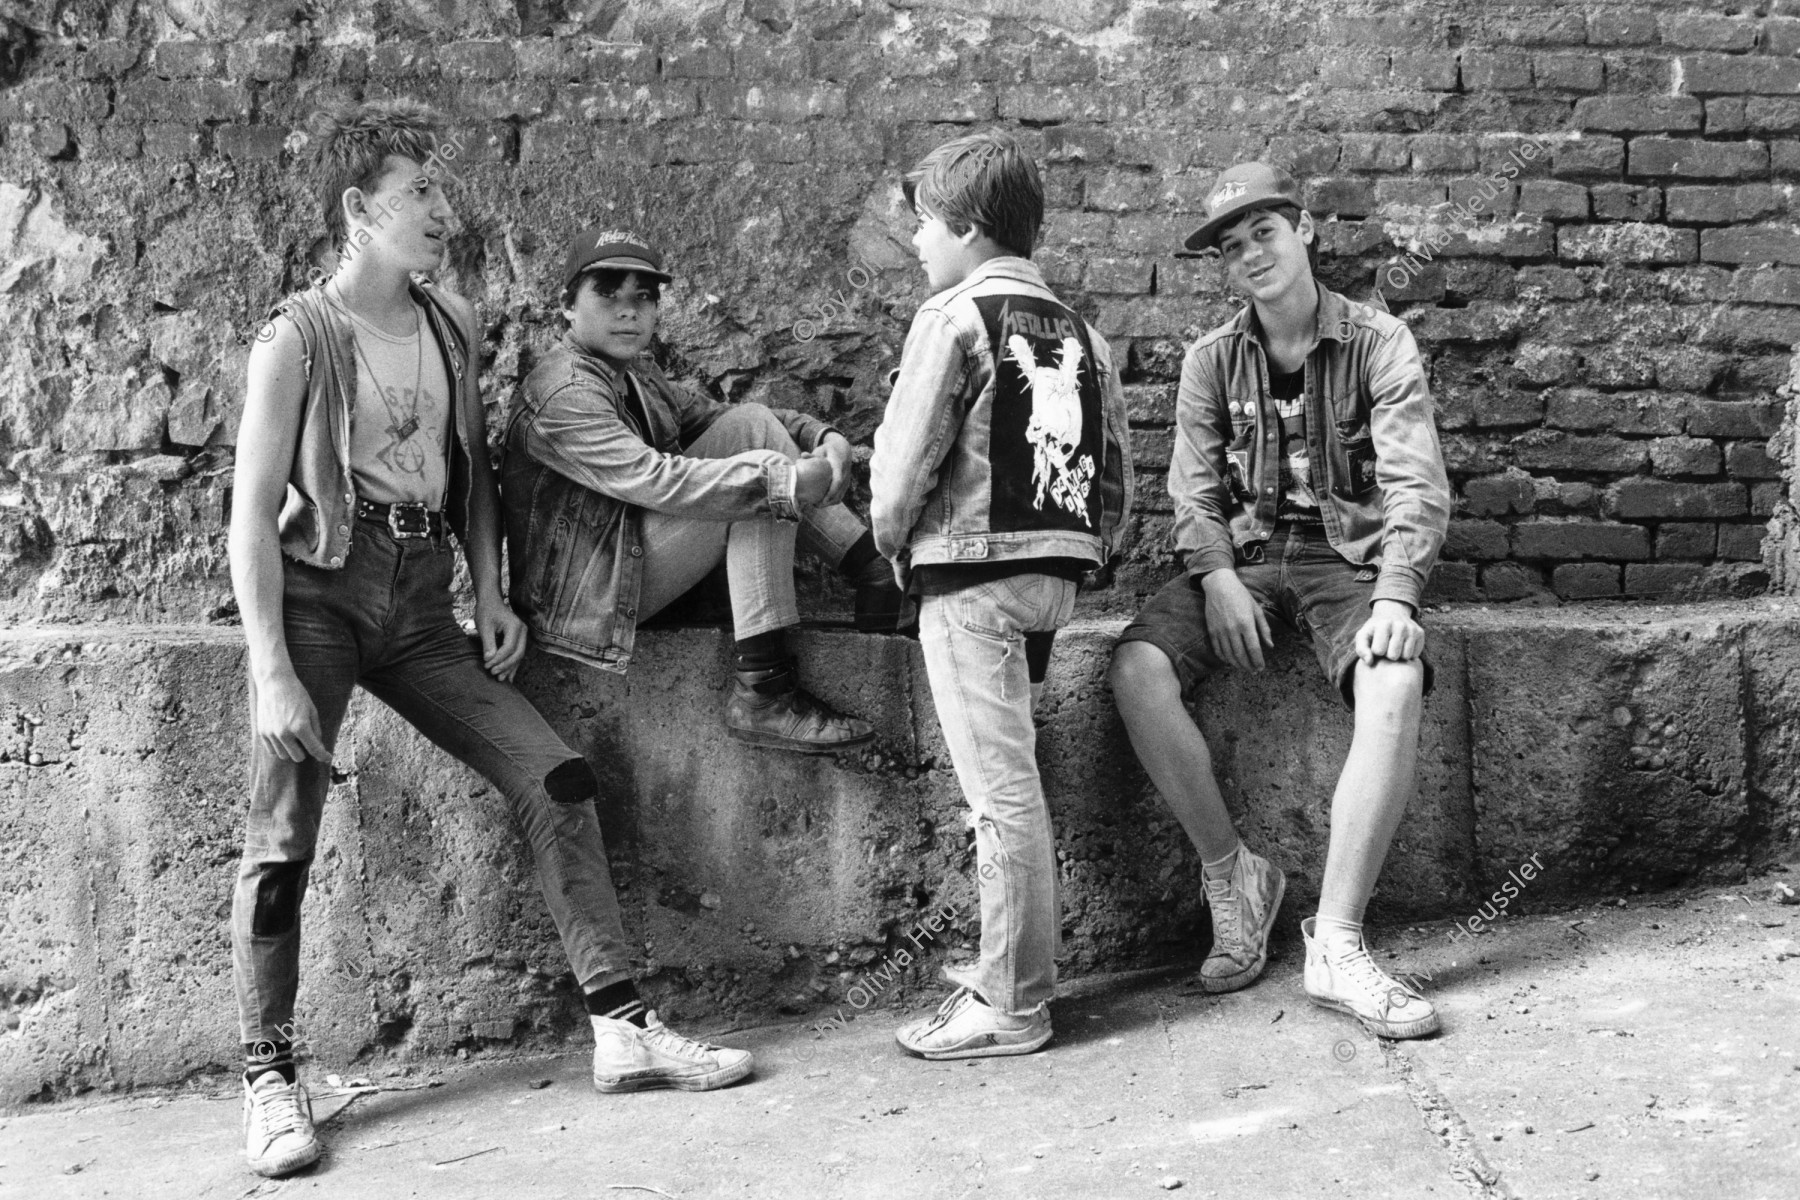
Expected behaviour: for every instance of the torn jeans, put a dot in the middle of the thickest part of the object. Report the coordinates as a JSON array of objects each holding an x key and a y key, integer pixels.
[{"x": 384, "y": 621}]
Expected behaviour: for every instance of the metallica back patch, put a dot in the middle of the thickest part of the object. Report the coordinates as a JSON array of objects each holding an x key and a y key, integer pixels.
[{"x": 1047, "y": 439}]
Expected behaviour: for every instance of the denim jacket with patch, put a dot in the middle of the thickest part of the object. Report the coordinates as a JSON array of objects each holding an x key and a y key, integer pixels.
[
  {"x": 1378, "y": 470},
  {"x": 1005, "y": 436}
]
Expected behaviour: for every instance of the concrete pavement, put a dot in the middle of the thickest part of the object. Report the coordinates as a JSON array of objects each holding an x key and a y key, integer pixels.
[{"x": 1643, "y": 1051}]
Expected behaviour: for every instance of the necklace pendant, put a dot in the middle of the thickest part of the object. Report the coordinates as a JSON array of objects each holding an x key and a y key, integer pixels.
[{"x": 406, "y": 430}]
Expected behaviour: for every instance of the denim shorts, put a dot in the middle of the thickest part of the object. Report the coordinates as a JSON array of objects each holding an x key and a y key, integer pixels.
[{"x": 1301, "y": 583}]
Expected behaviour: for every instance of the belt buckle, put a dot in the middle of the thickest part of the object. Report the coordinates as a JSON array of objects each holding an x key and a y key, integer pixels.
[{"x": 409, "y": 521}]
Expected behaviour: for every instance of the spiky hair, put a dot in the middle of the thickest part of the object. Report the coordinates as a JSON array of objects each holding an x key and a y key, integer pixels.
[{"x": 351, "y": 144}]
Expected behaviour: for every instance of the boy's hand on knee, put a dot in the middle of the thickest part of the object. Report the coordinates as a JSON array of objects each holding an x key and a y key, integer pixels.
[
  {"x": 287, "y": 724},
  {"x": 835, "y": 449},
  {"x": 1391, "y": 633},
  {"x": 1235, "y": 625}
]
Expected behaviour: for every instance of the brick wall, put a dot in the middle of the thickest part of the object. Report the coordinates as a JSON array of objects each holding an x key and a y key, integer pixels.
[{"x": 1584, "y": 213}]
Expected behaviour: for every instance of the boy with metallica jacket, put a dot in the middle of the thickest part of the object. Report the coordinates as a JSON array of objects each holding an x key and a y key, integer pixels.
[
  {"x": 1310, "y": 493},
  {"x": 1001, "y": 476}
]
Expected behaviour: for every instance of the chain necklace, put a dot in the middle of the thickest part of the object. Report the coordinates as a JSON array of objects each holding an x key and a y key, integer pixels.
[{"x": 404, "y": 425}]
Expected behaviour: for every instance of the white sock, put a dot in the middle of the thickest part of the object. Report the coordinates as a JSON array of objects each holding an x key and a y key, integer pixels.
[
  {"x": 1219, "y": 869},
  {"x": 1336, "y": 934}
]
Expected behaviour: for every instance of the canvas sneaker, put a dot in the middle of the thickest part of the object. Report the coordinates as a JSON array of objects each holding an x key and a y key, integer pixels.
[
  {"x": 1243, "y": 912},
  {"x": 964, "y": 1027},
  {"x": 629, "y": 1059},
  {"x": 1350, "y": 982},
  {"x": 278, "y": 1126}
]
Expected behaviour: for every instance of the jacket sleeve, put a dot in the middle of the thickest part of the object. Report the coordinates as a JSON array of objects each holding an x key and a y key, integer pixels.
[
  {"x": 1197, "y": 479},
  {"x": 1409, "y": 466},
  {"x": 1116, "y": 511},
  {"x": 578, "y": 433},
  {"x": 917, "y": 430}
]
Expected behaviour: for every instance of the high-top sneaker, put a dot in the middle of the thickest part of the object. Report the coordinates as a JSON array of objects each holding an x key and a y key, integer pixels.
[
  {"x": 629, "y": 1059},
  {"x": 278, "y": 1126},
  {"x": 1350, "y": 982},
  {"x": 1243, "y": 912}
]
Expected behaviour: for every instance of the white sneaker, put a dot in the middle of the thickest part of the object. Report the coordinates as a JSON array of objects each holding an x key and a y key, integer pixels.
[
  {"x": 964, "y": 1027},
  {"x": 278, "y": 1126},
  {"x": 1350, "y": 982},
  {"x": 1243, "y": 912},
  {"x": 629, "y": 1059}
]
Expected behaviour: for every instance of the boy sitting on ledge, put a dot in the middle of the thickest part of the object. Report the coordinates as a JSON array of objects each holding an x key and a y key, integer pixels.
[
  {"x": 1309, "y": 489},
  {"x": 623, "y": 490}
]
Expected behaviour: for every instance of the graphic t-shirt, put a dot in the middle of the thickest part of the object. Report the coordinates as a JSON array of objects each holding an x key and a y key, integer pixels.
[
  {"x": 400, "y": 433},
  {"x": 1287, "y": 395}
]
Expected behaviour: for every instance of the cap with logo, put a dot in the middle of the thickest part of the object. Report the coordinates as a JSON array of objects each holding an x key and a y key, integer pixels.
[
  {"x": 1241, "y": 189},
  {"x": 607, "y": 247}
]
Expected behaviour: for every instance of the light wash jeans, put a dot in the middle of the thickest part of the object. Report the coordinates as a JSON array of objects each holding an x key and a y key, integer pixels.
[
  {"x": 974, "y": 642},
  {"x": 758, "y": 553}
]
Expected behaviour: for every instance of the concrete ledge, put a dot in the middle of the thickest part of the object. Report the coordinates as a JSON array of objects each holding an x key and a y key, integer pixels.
[{"x": 1619, "y": 745}]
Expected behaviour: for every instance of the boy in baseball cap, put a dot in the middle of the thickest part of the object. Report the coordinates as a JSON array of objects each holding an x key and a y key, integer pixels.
[
  {"x": 623, "y": 490},
  {"x": 1309, "y": 491}
]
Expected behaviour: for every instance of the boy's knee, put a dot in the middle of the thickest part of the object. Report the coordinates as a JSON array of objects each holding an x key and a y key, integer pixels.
[
  {"x": 571, "y": 782},
  {"x": 280, "y": 886},
  {"x": 1136, "y": 667},
  {"x": 755, "y": 427},
  {"x": 1388, "y": 688}
]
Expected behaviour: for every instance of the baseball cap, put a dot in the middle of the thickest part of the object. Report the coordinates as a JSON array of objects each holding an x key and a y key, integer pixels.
[
  {"x": 608, "y": 247},
  {"x": 1241, "y": 189}
]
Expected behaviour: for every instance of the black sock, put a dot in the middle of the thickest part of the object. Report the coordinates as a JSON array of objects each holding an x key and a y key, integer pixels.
[
  {"x": 262, "y": 1057},
  {"x": 860, "y": 557},
  {"x": 619, "y": 1001},
  {"x": 762, "y": 651}
]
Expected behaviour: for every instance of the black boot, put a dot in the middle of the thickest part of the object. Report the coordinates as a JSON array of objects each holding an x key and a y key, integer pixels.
[
  {"x": 768, "y": 707},
  {"x": 881, "y": 607}
]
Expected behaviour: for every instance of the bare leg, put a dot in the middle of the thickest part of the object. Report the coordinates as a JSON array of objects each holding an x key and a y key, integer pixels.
[
  {"x": 1170, "y": 746},
  {"x": 1376, "y": 786}
]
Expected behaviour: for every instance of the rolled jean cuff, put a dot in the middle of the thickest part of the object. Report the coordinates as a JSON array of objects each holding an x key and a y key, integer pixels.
[{"x": 783, "y": 483}]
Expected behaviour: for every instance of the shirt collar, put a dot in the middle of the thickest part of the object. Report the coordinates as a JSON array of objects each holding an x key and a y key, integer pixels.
[
  {"x": 1332, "y": 320},
  {"x": 1006, "y": 266}
]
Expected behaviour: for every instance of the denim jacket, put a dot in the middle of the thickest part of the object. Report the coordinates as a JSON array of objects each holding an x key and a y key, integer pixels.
[
  {"x": 1378, "y": 471},
  {"x": 315, "y": 523},
  {"x": 590, "y": 446},
  {"x": 1005, "y": 436}
]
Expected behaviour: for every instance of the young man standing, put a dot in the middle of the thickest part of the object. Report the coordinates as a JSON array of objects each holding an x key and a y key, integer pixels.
[
  {"x": 668, "y": 483},
  {"x": 1309, "y": 487},
  {"x": 362, "y": 447},
  {"x": 1001, "y": 476}
]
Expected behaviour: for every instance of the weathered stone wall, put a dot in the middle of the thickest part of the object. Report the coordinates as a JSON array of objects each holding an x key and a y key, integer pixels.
[
  {"x": 1622, "y": 747},
  {"x": 1585, "y": 212}
]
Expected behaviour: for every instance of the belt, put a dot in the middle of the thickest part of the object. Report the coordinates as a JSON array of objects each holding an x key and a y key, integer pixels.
[{"x": 404, "y": 520}]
